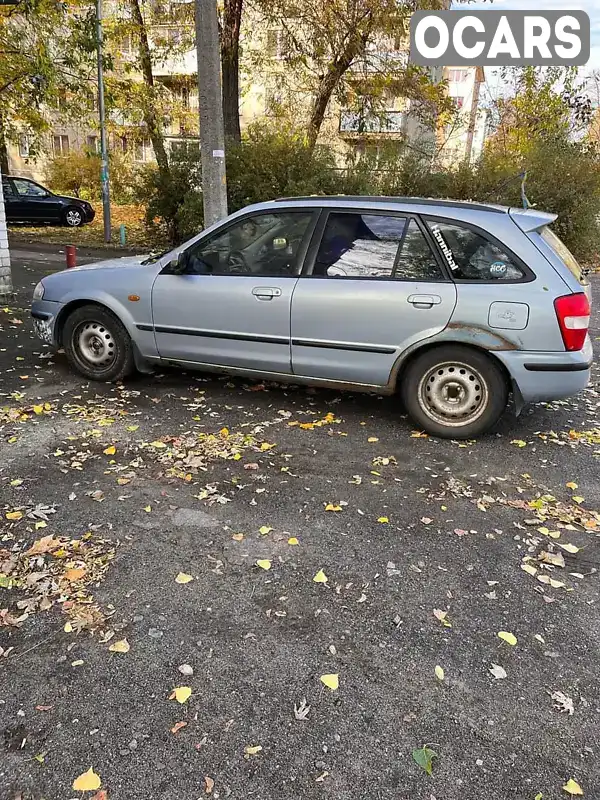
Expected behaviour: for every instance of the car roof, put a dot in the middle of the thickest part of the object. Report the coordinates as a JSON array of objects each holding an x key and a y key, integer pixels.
[{"x": 343, "y": 199}]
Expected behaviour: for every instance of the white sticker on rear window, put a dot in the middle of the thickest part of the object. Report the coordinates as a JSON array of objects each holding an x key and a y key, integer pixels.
[{"x": 445, "y": 249}]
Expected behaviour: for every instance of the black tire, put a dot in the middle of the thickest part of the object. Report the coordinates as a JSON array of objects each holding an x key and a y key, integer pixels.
[
  {"x": 73, "y": 217},
  {"x": 97, "y": 344},
  {"x": 454, "y": 392}
]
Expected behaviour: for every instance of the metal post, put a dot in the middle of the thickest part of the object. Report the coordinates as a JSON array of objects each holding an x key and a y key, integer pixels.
[
  {"x": 103, "y": 145},
  {"x": 212, "y": 135}
]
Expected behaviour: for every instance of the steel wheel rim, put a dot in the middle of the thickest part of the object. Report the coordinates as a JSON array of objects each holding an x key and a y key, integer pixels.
[
  {"x": 95, "y": 346},
  {"x": 453, "y": 394},
  {"x": 74, "y": 218}
]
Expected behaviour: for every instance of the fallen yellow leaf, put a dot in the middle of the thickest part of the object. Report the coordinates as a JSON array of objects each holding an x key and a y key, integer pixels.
[
  {"x": 578, "y": 500},
  {"x": 68, "y": 628},
  {"x": 571, "y": 485},
  {"x": 266, "y": 446},
  {"x": 263, "y": 563},
  {"x": 87, "y": 782},
  {"x": 224, "y": 431},
  {"x": 40, "y": 524},
  {"x": 572, "y": 787},
  {"x": 147, "y": 509},
  {"x": 320, "y": 577},
  {"x": 110, "y": 451},
  {"x": 238, "y": 537},
  {"x": 14, "y": 515},
  {"x": 38, "y": 409},
  {"x": 264, "y": 529},
  {"x": 74, "y": 574},
  {"x": 122, "y": 646},
  {"x": 158, "y": 445},
  {"x": 183, "y": 577},
  {"x": 519, "y": 442},
  {"x": 439, "y": 673},
  {"x": 507, "y": 637},
  {"x": 332, "y": 507},
  {"x": 570, "y": 548},
  {"x": 252, "y": 750},
  {"x": 372, "y": 439},
  {"x": 181, "y": 694},
  {"x": 332, "y": 681},
  {"x": 383, "y": 519},
  {"x": 293, "y": 540},
  {"x": 529, "y": 569}
]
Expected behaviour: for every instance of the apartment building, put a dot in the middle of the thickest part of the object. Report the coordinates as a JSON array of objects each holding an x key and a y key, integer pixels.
[{"x": 266, "y": 92}]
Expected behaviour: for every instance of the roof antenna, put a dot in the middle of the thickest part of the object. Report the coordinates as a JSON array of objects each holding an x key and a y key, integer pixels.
[{"x": 524, "y": 200}]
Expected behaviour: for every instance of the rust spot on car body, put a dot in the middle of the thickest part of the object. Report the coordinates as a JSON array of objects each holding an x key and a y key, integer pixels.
[{"x": 482, "y": 337}]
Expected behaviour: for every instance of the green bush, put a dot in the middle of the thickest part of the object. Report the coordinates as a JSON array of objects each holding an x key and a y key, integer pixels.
[
  {"x": 78, "y": 174},
  {"x": 174, "y": 201}
]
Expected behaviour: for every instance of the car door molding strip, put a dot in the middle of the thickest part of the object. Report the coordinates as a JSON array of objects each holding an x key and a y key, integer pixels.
[{"x": 246, "y": 337}]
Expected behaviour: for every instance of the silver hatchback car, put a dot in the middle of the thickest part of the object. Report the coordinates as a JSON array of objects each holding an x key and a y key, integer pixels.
[{"x": 452, "y": 304}]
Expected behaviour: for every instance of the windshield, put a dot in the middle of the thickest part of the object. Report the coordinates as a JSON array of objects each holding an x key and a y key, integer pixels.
[{"x": 563, "y": 252}]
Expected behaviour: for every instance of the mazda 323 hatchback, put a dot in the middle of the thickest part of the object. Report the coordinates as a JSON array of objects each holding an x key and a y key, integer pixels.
[{"x": 454, "y": 305}]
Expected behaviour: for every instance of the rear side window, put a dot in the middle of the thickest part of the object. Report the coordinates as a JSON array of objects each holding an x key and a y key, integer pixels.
[
  {"x": 563, "y": 252},
  {"x": 473, "y": 257},
  {"x": 374, "y": 246},
  {"x": 6, "y": 188}
]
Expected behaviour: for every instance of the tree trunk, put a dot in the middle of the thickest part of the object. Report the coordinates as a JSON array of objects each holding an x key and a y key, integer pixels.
[
  {"x": 230, "y": 67},
  {"x": 329, "y": 83},
  {"x": 473, "y": 116},
  {"x": 150, "y": 112}
]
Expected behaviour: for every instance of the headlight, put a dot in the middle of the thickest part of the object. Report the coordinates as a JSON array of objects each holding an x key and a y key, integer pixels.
[{"x": 38, "y": 292}]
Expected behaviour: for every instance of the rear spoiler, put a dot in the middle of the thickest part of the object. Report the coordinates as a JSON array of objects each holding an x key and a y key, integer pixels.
[{"x": 530, "y": 219}]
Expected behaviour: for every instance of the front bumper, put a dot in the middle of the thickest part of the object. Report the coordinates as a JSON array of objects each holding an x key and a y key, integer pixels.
[
  {"x": 89, "y": 214},
  {"x": 44, "y": 314},
  {"x": 545, "y": 376}
]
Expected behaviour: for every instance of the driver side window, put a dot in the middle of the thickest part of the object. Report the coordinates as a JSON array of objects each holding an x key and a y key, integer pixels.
[{"x": 263, "y": 244}]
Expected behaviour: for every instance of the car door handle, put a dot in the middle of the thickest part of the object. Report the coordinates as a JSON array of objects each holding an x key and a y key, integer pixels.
[
  {"x": 266, "y": 292},
  {"x": 424, "y": 300}
]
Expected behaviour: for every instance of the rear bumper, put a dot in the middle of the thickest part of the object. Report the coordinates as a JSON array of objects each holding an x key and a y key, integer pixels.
[{"x": 542, "y": 376}]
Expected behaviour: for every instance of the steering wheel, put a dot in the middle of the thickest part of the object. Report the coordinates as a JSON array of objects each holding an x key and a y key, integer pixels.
[{"x": 237, "y": 263}]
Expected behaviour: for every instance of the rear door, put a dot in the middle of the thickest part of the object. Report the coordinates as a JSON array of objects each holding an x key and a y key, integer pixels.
[
  {"x": 10, "y": 200},
  {"x": 372, "y": 287}
]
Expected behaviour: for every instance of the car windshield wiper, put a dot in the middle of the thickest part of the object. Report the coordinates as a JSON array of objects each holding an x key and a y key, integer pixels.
[{"x": 154, "y": 258}]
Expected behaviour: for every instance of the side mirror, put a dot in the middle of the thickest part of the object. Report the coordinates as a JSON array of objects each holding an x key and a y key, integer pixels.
[{"x": 178, "y": 265}]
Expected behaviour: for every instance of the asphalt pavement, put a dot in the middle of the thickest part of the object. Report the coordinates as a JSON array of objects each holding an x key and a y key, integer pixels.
[{"x": 188, "y": 517}]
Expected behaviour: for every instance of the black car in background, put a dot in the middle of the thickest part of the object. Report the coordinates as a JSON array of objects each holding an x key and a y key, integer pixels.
[{"x": 27, "y": 201}]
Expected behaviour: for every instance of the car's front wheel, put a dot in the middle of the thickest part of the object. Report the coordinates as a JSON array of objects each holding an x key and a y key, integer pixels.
[
  {"x": 97, "y": 344},
  {"x": 73, "y": 217},
  {"x": 454, "y": 392}
]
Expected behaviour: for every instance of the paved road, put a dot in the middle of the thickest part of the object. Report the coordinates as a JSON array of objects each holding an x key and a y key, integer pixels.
[{"x": 200, "y": 462}]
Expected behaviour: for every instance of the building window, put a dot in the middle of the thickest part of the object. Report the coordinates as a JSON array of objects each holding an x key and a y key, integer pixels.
[
  {"x": 143, "y": 150},
  {"x": 61, "y": 145},
  {"x": 24, "y": 146},
  {"x": 458, "y": 102},
  {"x": 277, "y": 43},
  {"x": 457, "y": 75},
  {"x": 92, "y": 143}
]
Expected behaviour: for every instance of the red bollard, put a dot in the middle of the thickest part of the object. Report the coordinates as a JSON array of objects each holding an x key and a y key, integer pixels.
[{"x": 71, "y": 255}]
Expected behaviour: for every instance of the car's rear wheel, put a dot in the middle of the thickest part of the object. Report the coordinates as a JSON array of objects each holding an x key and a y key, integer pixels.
[
  {"x": 97, "y": 344},
  {"x": 454, "y": 392},
  {"x": 73, "y": 217}
]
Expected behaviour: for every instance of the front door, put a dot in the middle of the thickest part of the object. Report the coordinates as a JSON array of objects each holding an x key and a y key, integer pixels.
[
  {"x": 231, "y": 306},
  {"x": 34, "y": 203},
  {"x": 374, "y": 288}
]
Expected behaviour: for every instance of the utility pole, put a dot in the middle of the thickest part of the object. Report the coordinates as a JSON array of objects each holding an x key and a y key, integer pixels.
[
  {"x": 212, "y": 135},
  {"x": 103, "y": 145}
]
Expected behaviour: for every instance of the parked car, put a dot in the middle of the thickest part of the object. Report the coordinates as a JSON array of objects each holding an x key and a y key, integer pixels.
[
  {"x": 454, "y": 305},
  {"x": 27, "y": 201}
]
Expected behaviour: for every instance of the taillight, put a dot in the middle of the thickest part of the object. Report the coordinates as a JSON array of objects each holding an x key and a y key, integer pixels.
[{"x": 573, "y": 314}]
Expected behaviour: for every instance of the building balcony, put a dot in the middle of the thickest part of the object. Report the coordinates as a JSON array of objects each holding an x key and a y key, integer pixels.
[{"x": 354, "y": 124}]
